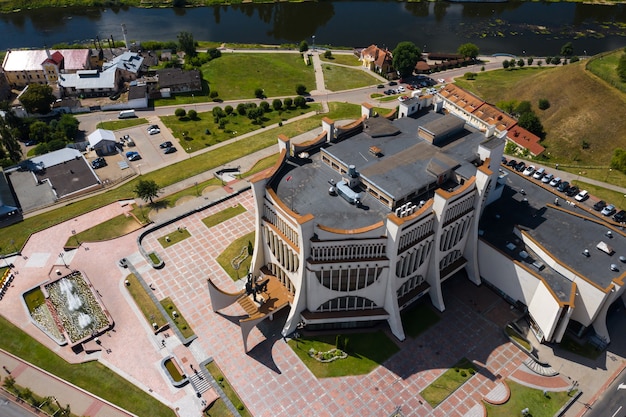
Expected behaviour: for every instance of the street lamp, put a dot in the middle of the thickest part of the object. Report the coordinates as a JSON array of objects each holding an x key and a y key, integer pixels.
[
  {"x": 196, "y": 184},
  {"x": 313, "y": 43},
  {"x": 63, "y": 259},
  {"x": 75, "y": 238}
]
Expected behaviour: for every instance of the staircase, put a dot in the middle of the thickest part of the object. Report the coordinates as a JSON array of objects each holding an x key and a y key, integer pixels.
[
  {"x": 545, "y": 370},
  {"x": 248, "y": 305},
  {"x": 200, "y": 382}
]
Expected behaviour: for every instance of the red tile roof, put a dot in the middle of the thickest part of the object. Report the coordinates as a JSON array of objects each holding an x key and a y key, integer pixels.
[
  {"x": 525, "y": 139},
  {"x": 463, "y": 99}
]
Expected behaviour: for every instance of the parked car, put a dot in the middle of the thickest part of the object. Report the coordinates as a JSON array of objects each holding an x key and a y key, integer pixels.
[
  {"x": 309, "y": 99},
  {"x": 30, "y": 143},
  {"x": 380, "y": 86},
  {"x": 608, "y": 210},
  {"x": 529, "y": 170},
  {"x": 98, "y": 163},
  {"x": 165, "y": 145},
  {"x": 555, "y": 181},
  {"x": 393, "y": 83},
  {"x": 511, "y": 163},
  {"x": 547, "y": 178},
  {"x": 563, "y": 186},
  {"x": 133, "y": 156},
  {"x": 539, "y": 173},
  {"x": 169, "y": 149},
  {"x": 520, "y": 167},
  {"x": 620, "y": 216},
  {"x": 572, "y": 191},
  {"x": 154, "y": 131},
  {"x": 582, "y": 196},
  {"x": 152, "y": 127},
  {"x": 601, "y": 204}
]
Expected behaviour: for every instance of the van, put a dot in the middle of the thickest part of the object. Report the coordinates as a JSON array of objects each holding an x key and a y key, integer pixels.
[{"x": 126, "y": 114}]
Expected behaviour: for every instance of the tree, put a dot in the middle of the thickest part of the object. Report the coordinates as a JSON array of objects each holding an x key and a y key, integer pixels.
[
  {"x": 512, "y": 63},
  {"x": 521, "y": 63},
  {"x": 621, "y": 68},
  {"x": 300, "y": 89},
  {"x": 508, "y": 105},
  {"x": 299, "y": 102},
  {"x": 288, "y": 102},
  {"x": 277, "y": 104},
  {"x": 68, "y": 126},
  {"x": 9, "y": 382},
  {"x": 574, "y": 59},
  {"x": 531, "y": 122},
  {"x": 180, "y": 113},
  {"x": 187, "y": 44},
  {"x": 241, "y": 109},
  {"x": 265, "y": 106},
  {"x": 523, "y": 107},
  {"x": 618, "y": 161},
  {"x": 304, "y": 46},
  {"x": 556, "y": 60},
  {"x": 468, "y": 50},
  {"x": 193, "y": 115},
  {"x": 505, "y": 64},
  {"x": 228, "y": 110},
  {"x": 259, "y": 93},
  {"x": 530, "y": 60},
  {"x": 405, "y": 57},
  {"x": 147, "y": 190},
  {"x": 544, "y": 104},
  {"x": 539, "y": 63},
  {"x": 328, "y": 54},
  {"x": 37, "y": 98},
  {"x": 254, "y": 113},
  {"x": 8, "y": 139},
  {"x": 567, "y": 49},
  {"x": 39, "y": 131}
]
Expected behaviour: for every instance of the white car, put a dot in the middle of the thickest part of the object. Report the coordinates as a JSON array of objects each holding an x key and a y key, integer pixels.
[
  {"x": 582, "y": 196},
  {"x": 547, "y": 178},
  {"x": 539, "y": 173},
  {"x": 441, "y": 80},
  {"x": 401, "y": 89},
  {"x": 529, "y": 170},
  {"x": 154, "y": 131}
]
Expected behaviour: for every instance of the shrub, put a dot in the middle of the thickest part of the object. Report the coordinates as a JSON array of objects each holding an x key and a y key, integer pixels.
[
  {"x": 299, "y": 102},
  {"x": 213, "y": 94},
  {"x": 277, "y": 104},
  {"x": 505, "y": 64},
  {"x": 328, "y": 54},
  {"x": 470, "y": 75},
  {"x": 241, "y": 109},
  {"x": 288, "y": 102},
  {"x": 574, "y": 59},
  {"x": 530, "y": 60},
  {"x": 482, "y": 69},
  {"x": 180, "y": 113},
  {"x": 265, "y": 106},
  {"x": 228, "y": 110},
  {"x": 300, "y": 89},
  {"x": 193, "y": 115},
  {"x": 544, "y": 104},
  {"x": 259, "y": 93}
]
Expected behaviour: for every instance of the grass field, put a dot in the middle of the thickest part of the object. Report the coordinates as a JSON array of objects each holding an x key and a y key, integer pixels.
[
  {"x": 91, "y": 376},
  {"x": 343, "y": 59},
  {"x": 570, "y": 120},
  {"x": 276, "y": 74},
  {"x": 110, "y": 229},
  {"x": 13, "y": 237},
  {"x": 122, "y": 124},
  {"x": 237, "y": 248},
  {"x": 223, "y": 215},
  {"x": 143, "y": 300},
  {"x": 178, "y": 319},
  {"x": 342, "y": 78},
  {"x": 365, "y": 352},
  {"x": 193, "y": 136},
  {"x": 533, "y": 399},
  {"x": 174, "y": 237},
  {"x": 448, "y": 382},
  {"x": 604, "y": 67}
]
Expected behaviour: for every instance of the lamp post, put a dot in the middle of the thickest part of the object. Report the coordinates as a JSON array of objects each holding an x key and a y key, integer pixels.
[
  {"x": 63, "y": 259},
  {"x": 313, "y": 43},
  {"x": 75, "y": 238},
  {"x": 196, "y": 184}
]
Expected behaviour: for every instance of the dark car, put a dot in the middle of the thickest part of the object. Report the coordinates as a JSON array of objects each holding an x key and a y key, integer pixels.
[
  {"x": 504, "y": 161},
  {"x": 620, "y": 216},
  {"x": 563, "y": 186},
  {"x": 599, "y": 205},
  {"x": 165, "y": 145},
  {"x": 98, "y": 163},
  {"x": 169, "y": 149},
  {"x": 393, "y": 83},
  {"x": 511, "y": 163},
  {"x": 572, "y": 191},
  {"x": 30, "y": 142},
  {"x": 309, "y": 99},
  {"x": 520, "y": 167},
  {"x": 380, "y": 86}
]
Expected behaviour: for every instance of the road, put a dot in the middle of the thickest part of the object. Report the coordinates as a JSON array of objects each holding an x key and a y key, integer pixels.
[
  {"x": 612, "y": 402},
  {"x": 10, "y": 409}
]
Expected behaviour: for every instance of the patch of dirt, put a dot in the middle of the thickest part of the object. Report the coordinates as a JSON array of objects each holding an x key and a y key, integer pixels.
[
  {"x": 210, "y": 188},
  {"x": 183, "y": 200}
]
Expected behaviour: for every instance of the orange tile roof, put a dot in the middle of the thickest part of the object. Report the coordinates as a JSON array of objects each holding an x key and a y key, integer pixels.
[
  {"x": 494, "y": 116},
  {"x": 525, "y": 139},
  {"x": 463, "y": 99}
]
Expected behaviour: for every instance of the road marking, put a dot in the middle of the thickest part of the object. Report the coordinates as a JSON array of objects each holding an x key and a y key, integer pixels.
[
  {"x": 615, "y": 413},
  {"x": 621, "y": 386}
]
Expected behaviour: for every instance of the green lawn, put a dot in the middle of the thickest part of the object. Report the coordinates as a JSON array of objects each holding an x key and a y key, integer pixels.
[
  {"x": 223, "y": 215},
  {"x": 179, "y": 320},
  {"x": 261, "y": 165},
  {"x": 13, "y": 237},
  {"x": 121, "y": 124},
  {"x": 91, "y": 376},
  {"x": 237, "y": 250},
  {"x": 524, "y": 397},
  {"x": 174, "y": 237},
  {"x": 365, "y": 352},
  {"x": 237, "y": 75},
  {"x": 448, "y": 382},
  {"x": 488, "y": 85},
  {"x": 110, "y": 229},
  {"x": 612, "y": 197},
  {"x": 604, "y": 66},
  {"x": 143, "y": 300},
  {"x": 343, "y": 59},
  {"x": 193, "y": 136},
  {"x": 419, "y": 319},
  {"x": 341, "y": 78},
  {"x": 193, "y": 191},
  {"x": 220, "y": 408}
]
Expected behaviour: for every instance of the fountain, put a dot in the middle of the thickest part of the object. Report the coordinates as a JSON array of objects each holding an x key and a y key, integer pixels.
[{"x": 70, "y": 311}]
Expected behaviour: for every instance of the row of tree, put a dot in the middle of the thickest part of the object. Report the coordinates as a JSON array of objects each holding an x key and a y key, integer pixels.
[{"x": 407, "y": 54}]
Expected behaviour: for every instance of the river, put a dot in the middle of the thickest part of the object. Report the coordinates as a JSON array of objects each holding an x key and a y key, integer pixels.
[{"x": 518, "y": 28}]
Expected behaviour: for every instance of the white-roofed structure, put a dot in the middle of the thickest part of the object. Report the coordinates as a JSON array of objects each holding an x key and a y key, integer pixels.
[
  {"x": 43, "y": 66},
  {"x": 89, "y": 83},
  {"x": 102, "y": 141},
  {"x": 128, "y": 65}
]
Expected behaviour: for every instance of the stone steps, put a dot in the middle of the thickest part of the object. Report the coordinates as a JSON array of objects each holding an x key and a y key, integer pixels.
[
  {"x": 539, "y": 368},
  {"x": 200, "y": 382}
]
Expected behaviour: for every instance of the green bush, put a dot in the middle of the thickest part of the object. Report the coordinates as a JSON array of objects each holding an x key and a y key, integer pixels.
[
  {"x": 180, "y": 113},
  {"x": 544, "y": 104}
]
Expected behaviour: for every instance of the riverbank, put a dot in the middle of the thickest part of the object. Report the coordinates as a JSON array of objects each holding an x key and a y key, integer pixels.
[{"x": 12, "y": 6}]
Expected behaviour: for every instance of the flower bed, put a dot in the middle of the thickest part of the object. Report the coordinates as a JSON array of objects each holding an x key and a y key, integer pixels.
[{"x": 327, "y": 356}]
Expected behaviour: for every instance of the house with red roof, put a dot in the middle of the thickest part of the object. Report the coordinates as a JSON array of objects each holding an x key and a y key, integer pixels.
[{"x": 377, "y": 59}]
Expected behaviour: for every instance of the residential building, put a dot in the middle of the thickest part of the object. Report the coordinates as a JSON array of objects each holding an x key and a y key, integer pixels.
[
  {"x": 89, "y": 83},
  {"x": 43, "y": 66},
  {"x": 179, "y": 81},
  {"x": 377, "y": 59}
]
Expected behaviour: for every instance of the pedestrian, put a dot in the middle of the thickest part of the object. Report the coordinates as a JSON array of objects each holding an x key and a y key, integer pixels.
[{"x": 6, "y": 370}]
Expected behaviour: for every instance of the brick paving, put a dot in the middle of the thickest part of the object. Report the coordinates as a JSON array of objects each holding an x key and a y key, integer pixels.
[{"x": 270, "y": 379}]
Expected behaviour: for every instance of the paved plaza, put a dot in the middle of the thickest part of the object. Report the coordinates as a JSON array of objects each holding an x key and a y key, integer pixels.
[{"x": 270, "y": 379}]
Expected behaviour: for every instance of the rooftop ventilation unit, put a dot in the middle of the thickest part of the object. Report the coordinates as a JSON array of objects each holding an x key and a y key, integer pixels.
[
  {"x": 622, "y": 259},
  {"x": 609, "y": 234},
  {"x": 586, "y": 253},
  {"x": 614, "y": 268}
]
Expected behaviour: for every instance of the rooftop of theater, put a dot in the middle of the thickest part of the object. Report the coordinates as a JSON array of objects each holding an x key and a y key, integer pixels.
[{"x": 401, "y": 165}]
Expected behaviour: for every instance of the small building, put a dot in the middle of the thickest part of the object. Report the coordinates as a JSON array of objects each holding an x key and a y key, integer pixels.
[
  {"x": 377, "y": 59},
  {"x": 127, "y": 66},
  {"x": 180, "y": 81},
  {"x": 103, "y": 142},
  {"x": 43, "y": 66},
  {"x": 89, "y": 83}
]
